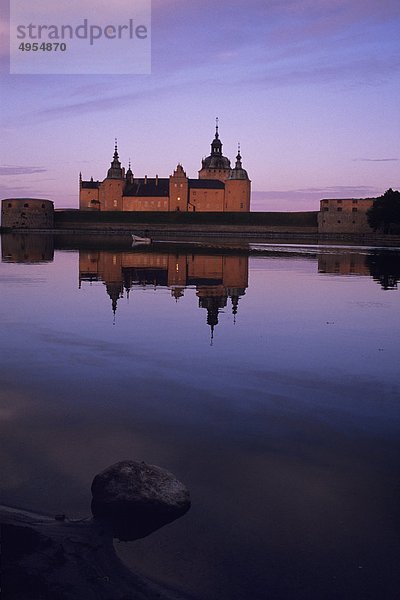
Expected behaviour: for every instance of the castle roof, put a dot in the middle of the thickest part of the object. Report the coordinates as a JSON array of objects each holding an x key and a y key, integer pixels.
[
  {"x": 208, "y": 184},
  {"x": 90, "y": 185},
  {"x": 150, "y": 186}
]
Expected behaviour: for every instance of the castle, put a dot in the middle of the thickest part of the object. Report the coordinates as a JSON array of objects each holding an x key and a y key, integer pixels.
[{"x": 219, "y": 188}]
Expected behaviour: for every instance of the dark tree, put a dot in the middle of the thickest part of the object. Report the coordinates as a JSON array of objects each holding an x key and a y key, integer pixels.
[{"x": 385, "y": 212}]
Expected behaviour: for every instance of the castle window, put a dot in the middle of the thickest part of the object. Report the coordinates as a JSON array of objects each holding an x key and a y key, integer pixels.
[
  {"x": 26, "y": 205},
  {"x": 340, "y": 209},
  {"x": 241, "y": 205},
  {"x": 355, "y": 201},
  {"x": 326, "y": 208},
  {"x": 43, "y": 206},
  {"x": 9, "y": 205},
  {"x": 354, "y": 209},
  {"x": 339, "y": 202},
  {"x": 115, "y": 202},
  {"x": 339, "y": 221}
]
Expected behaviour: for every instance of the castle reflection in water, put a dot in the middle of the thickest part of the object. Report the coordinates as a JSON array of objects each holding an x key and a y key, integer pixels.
[
  {"x": 220, "y": 277},
  {"x": 216, "y": 278}
]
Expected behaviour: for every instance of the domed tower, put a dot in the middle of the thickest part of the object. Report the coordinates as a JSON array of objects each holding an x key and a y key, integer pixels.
[
  {"x": 215, "y": 166},
  {"x": 238, "y": 188},
  {"x": 112, "y": 188},
  {"x": 238, "y": 172}
]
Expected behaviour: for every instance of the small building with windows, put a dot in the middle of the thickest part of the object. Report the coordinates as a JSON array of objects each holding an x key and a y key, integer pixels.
[
  {"x": 27, "y": 213},
  {"x": 344, "y": 215},
  {"x": 219, "y": 187}
]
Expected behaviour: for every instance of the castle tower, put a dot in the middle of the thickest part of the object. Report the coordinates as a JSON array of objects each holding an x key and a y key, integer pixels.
[
  {"x": 115, "y": 171},
  {"x": 112, "y": 189},
  {"x": 129, "y": 174},
  {"x": 178, "y": 190},
  {"x": 215, "y": 166},
  {"x": 238, "y": 188}
]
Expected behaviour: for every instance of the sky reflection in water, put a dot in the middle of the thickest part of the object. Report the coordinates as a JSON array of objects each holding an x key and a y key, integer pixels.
[{"x": 283, "y": 422}]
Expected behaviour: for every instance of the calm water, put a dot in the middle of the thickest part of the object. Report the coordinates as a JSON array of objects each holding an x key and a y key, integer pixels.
[{"x": 268, "y": 383}]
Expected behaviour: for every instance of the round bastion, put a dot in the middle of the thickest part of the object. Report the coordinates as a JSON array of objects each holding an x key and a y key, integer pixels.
[{"x": 27, "y": 213}]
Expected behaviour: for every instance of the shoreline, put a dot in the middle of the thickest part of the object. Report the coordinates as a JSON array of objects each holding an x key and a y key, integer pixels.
[{"x": 228, "y": 234}]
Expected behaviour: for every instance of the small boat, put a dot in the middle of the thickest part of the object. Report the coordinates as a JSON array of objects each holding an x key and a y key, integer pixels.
[{"x": 137, "y": 239}]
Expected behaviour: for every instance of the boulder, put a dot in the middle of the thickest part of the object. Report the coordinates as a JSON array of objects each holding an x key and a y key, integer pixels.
[{"x": 136, "y": 498}]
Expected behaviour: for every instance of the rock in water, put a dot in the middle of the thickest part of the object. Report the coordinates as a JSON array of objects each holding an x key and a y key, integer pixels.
[{"x": 137, "y": 498}]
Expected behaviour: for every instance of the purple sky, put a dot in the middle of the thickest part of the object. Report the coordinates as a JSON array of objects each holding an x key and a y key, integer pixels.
[{"x": 310, "y": 89}]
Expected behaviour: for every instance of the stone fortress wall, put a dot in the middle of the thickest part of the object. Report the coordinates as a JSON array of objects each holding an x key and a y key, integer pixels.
[
  {"x": 346, "y": 215},
  {"x": 27, "y": 213}
]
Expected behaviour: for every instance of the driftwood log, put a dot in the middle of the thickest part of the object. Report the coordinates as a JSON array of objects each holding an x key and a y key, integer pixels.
[{"x": 55, "y": 558}]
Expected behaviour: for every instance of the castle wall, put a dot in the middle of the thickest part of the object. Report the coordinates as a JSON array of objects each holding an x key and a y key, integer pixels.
[
  {"x": 110, "y": 194},
  {"x": 27, "y": 213},
  {"x": 348, "y": 215},
  {"x": 237, "y": 195},
  {"x": 89, "y": 199},
  {"x": 139, "y": 203},
  {"x": 206, "y": 200}
]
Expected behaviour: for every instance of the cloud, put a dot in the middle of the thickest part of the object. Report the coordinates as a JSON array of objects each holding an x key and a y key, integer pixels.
[
  {"x": 13, "y": 170},
  {"x": 337, "y": 189},
  {"x": 102, "y": 104},
  {"x": 370, "y": 71},
  {"x": 376, "y": 159}
]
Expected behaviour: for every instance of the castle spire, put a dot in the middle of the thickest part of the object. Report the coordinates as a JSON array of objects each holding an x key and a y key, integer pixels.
[
  {"x": 129, "y": 174},
  {"x": 115, "y": 171},
  {"x": 238, "y": 172},
  {"x": 239, "y": 158},
  {"x": 216, "y": 144}
]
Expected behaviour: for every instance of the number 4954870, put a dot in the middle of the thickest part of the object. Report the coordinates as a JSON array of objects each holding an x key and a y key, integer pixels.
[{"x": 43, "y": 47}]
